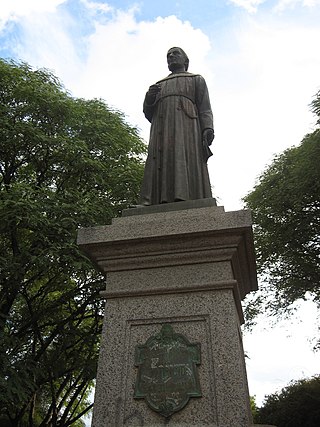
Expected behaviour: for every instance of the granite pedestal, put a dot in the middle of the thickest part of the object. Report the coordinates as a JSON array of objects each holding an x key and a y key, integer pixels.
[{"x": 188, "y": 266}]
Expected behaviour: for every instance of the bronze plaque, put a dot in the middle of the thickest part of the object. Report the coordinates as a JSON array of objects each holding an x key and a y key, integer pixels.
[{"x": 167, "y": 373}]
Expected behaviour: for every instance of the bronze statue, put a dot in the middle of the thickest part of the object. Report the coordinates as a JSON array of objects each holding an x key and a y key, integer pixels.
[{"x": 179, "y": 110}]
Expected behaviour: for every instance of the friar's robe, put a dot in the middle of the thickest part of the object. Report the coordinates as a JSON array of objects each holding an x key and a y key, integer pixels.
[{"x": 176, "y": 166}]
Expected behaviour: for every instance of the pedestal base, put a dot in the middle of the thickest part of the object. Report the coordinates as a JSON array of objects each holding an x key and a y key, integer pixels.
[{"x": 188, "y": 269}]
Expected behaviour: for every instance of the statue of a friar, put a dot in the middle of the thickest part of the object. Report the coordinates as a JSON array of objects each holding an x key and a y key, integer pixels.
[{"x": 179, "y": 110}]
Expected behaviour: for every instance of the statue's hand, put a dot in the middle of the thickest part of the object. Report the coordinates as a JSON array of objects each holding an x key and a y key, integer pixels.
[
  {"x": 152, "y": 93},
  {"x": 207, "y": 137}
]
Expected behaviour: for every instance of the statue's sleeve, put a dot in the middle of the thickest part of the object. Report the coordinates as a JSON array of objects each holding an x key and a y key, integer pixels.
[
  {"x": 148, "y": 109},
  {"x": 203, "y": 104}
]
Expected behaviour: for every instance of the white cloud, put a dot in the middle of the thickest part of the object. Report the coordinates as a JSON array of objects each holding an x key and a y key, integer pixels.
[
  {"x": 11, "y": 10},
  {"x": 263, "y": 87},
  {"x": 269, "y": 369},
  {"x": 252, "y": 6},
  {"x": 285, "y": 4},
  {"x": 122, "y": 57},
  {"x": 95, "y": 6},
  {"x": 126, "y": 57},
  {"x": 249, "y": 5},
  {"x": 47, "y": 42}
]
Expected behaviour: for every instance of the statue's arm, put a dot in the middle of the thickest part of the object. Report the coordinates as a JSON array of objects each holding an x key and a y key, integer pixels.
[
  {"x": 150, "y": 101},
  {"x": 204, "y": 110}
]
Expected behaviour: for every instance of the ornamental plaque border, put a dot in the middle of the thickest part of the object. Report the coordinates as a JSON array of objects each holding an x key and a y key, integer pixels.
[{"x": 167, "y": 371}]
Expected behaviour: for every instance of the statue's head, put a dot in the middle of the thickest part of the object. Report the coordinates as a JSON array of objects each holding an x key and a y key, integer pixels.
[{"x": 177, "y": 58}]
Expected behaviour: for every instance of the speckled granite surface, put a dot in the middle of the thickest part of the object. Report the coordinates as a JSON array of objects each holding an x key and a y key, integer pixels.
[{"x": 188, "y": 268}]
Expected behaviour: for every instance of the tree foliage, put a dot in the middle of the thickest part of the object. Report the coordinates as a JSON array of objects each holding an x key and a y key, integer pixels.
[
  {"x": 286, "y": 212},
  {"x": 64, "y": 163},
  {"x": 297, "y": 405},
  {"x": 254, "y": 408}
]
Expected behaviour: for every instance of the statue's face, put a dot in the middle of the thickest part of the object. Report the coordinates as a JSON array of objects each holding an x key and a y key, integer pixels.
[{"x": 176, "y": 59}]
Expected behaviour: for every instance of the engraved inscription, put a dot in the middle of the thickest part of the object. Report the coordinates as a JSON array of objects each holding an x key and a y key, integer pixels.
[{"x": 167, "y": 372}]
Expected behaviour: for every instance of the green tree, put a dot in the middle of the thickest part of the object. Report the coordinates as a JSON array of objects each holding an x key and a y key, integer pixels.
[
  {"x": 64, "y": 163},
  {"x": 297, "y": 405},
  {"x": 254, "y": 408},
  {"x": 286, "y": 213}
]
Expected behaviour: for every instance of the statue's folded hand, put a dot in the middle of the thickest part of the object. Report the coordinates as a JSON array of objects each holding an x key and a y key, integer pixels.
[
  {"x": 152, "y": 93},
  {"x": 207, "y": 137}
]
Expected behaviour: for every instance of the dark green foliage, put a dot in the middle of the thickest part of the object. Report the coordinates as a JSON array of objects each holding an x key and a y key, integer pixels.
[
  {"x": 286, "y": 211},
  {"x": 297, "y": 405},
  {"x": 64, "y": 163}
]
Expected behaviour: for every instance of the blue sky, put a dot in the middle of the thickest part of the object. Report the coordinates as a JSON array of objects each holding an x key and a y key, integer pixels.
[{"x": 261, "y": 61}]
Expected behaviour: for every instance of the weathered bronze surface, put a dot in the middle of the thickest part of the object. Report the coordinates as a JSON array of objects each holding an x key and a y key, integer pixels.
[
  {"x": 179, "y": 110},
  {"x": 167, "y": 373}
]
